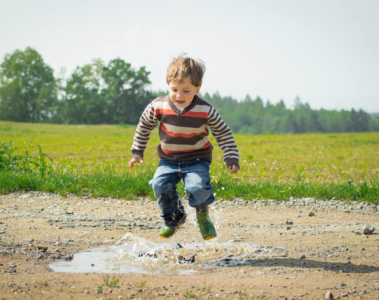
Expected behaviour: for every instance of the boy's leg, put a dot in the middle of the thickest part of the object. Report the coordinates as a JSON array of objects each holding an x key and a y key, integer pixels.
[
  {"x": 198, "y": 184},
  {"x": 164, "y": 183}
]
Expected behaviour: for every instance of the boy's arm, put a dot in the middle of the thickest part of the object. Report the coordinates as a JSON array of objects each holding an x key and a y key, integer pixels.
[
  {"x": 147, "y": 123},
  {"x": 224, "y": 138}
]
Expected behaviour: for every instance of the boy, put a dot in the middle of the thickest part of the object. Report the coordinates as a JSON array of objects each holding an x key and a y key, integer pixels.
[{"x": 185, "y": 151}]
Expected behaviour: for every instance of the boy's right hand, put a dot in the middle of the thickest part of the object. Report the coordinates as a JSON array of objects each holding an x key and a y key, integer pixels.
[{"x": 135, "y": 160}]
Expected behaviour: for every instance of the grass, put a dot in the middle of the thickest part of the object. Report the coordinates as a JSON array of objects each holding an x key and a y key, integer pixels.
[
  {"x": 140, "y": 284},
  {"x": 188, "y": 294},
  {"x": 207, "y": 288},
  {"x": 127, "y": 186},
  {"x": 344, "y": 166},
  {"x": 111, "y": 282},
  {"x": 100, "y": 289}
]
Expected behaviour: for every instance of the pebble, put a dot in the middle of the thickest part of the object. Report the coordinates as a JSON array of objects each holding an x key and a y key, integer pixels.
[
  {"x": 368, "y": 230},
  {"x": 329, "y": 295},
  {"x": 289, "y": 222},
  {"x": 11, "y": 271}
]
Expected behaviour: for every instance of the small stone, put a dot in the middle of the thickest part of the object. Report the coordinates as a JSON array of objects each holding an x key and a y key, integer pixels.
[
  {"x": 311, "y": 214},
  {"x": 36, "y": 256},
  {"x": 329, "y": 295},
  {"x": 301, "y": 256},
  {"x": 289, "y": 222},
  {"x": 68, "y": 257},
  {"x": 368, "y": 230},
  {"x": 11, "y": 271},
  {"x": 11, "y": 265},
  {"x": 288, "y": 227}
]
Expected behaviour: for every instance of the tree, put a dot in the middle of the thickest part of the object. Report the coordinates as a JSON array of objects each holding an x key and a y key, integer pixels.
[
  {"x": 27, "y": 87},
  {"x": 83, "y": 102},
  {"x": 125, "y": 92}
]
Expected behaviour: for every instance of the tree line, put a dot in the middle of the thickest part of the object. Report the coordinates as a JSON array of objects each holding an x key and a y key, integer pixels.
[
  {"x": 116, "y": 93},
  {"x": 255, "y": 117}
]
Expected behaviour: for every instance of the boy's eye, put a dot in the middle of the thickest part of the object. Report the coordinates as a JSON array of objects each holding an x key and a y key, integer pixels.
[{"x": 186, "y": 91}]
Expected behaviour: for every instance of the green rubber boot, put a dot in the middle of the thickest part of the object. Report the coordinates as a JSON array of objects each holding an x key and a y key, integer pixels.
[
  {"x": 207, "y": 229},
  {"x": 169, "y": 231}
]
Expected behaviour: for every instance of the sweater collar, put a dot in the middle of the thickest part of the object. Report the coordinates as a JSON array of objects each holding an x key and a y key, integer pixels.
[{"x": 187, "y": 108}]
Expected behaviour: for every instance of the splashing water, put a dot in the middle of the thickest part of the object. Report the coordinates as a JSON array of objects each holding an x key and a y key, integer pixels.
[
  {"x": 133, "y": 254},
  {"x": 139, "y": 255}
]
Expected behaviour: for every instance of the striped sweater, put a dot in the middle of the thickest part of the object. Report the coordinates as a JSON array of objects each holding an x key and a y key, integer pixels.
[{"x": 184, "y": 133}]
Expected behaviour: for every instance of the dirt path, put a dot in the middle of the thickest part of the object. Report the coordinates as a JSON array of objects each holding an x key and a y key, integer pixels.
[{"x": 326, "y": 252}]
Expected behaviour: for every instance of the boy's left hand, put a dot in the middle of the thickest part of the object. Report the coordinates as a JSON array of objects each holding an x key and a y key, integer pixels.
[{"x": 233, "y": 169}]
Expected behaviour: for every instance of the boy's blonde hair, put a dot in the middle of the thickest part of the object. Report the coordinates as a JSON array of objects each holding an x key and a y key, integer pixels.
[{"x": 182, "y": 67}]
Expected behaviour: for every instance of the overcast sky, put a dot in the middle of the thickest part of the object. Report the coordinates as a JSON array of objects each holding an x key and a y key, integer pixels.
[{"x": 325, "y": 51}]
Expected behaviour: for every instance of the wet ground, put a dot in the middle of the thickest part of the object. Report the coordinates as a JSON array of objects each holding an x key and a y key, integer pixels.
[{"x": 326, "y": 247}]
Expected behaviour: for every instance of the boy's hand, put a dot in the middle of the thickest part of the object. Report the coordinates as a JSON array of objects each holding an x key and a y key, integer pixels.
[
  {"x": 233, "y": 169},
  {"x": 135, "y": 160}
]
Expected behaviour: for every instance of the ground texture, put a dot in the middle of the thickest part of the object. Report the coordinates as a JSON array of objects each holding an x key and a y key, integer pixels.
[{"x": 328, "y": 249}]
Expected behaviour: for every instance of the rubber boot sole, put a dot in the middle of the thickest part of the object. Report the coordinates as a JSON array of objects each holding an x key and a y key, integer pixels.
[
  {"x": 182, "y": 221},
  {"x": 210, "y": 237}
]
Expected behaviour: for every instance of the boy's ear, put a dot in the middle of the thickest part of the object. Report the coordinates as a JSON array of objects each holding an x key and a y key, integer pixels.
[{"x": 198, "y": 90}]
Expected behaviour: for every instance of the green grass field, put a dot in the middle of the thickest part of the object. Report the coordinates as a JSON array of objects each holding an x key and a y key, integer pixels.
[{"x": 95, "y": 158}]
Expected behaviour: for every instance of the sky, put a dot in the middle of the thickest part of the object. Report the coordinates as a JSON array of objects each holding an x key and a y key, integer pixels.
[{"x": 324, "y": 51}]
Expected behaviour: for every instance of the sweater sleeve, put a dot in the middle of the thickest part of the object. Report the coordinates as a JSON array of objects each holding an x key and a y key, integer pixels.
[
  {"x": 147, "y": 123},
  {"x": 224, "y": 138}
]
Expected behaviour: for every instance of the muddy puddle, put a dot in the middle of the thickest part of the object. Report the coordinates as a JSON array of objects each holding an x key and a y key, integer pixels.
[{"x": 133, "y": 254}]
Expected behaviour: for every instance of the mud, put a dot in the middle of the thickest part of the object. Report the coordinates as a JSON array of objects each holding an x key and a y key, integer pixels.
[{"x": 327, "y": 250}]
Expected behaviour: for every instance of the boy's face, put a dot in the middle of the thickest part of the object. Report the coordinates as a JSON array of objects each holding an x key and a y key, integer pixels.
[{"x": 182, "y": 93}]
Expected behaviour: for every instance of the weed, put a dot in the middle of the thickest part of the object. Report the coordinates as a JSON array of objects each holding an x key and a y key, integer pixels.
[
  {"x": 45, "y": 283},
  {"x": 207, "y": 288},
  {"x": 99, "y": 289},
  {"x": 18, "y": 159},
  {"x": 111, "y": 282},
  {"x": 141, "y": 284},
  {"x": 71, "y": 297},
  {"x": 187, "y": 294}
]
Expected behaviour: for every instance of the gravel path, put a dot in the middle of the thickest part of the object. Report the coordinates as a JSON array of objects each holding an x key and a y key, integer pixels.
[{"x": 332, "y": 247}]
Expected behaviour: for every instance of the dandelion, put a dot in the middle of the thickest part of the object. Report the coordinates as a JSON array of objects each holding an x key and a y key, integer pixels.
[
  {"x": 214, "y": 194},
  {"x": 244, "y": 161},
  {"x": 223, "y": 188}
]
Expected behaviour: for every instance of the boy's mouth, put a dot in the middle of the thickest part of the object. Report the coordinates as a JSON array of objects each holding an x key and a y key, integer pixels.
[{"x": 180, "y": 102}]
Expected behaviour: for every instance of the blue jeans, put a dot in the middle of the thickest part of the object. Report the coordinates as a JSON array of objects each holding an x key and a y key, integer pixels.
[{"x": 195, "y": 175}]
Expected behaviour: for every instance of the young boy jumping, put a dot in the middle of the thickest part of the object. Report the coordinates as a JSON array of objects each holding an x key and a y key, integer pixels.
[{"x": 185, "y": 151}]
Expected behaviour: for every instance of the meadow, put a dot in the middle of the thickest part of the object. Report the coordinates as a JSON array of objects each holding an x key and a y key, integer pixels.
[{"x": 94, "y": 159}]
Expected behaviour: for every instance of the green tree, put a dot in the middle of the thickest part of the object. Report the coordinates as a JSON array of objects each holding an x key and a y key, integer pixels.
[
  {"x": 83, "y": 102},
  {"x": 28, "y": 90},
  {"x": 125, "y": 92}
]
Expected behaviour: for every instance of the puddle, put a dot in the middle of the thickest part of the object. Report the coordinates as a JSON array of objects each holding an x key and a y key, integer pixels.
[{"x": 138, "y": 255}]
